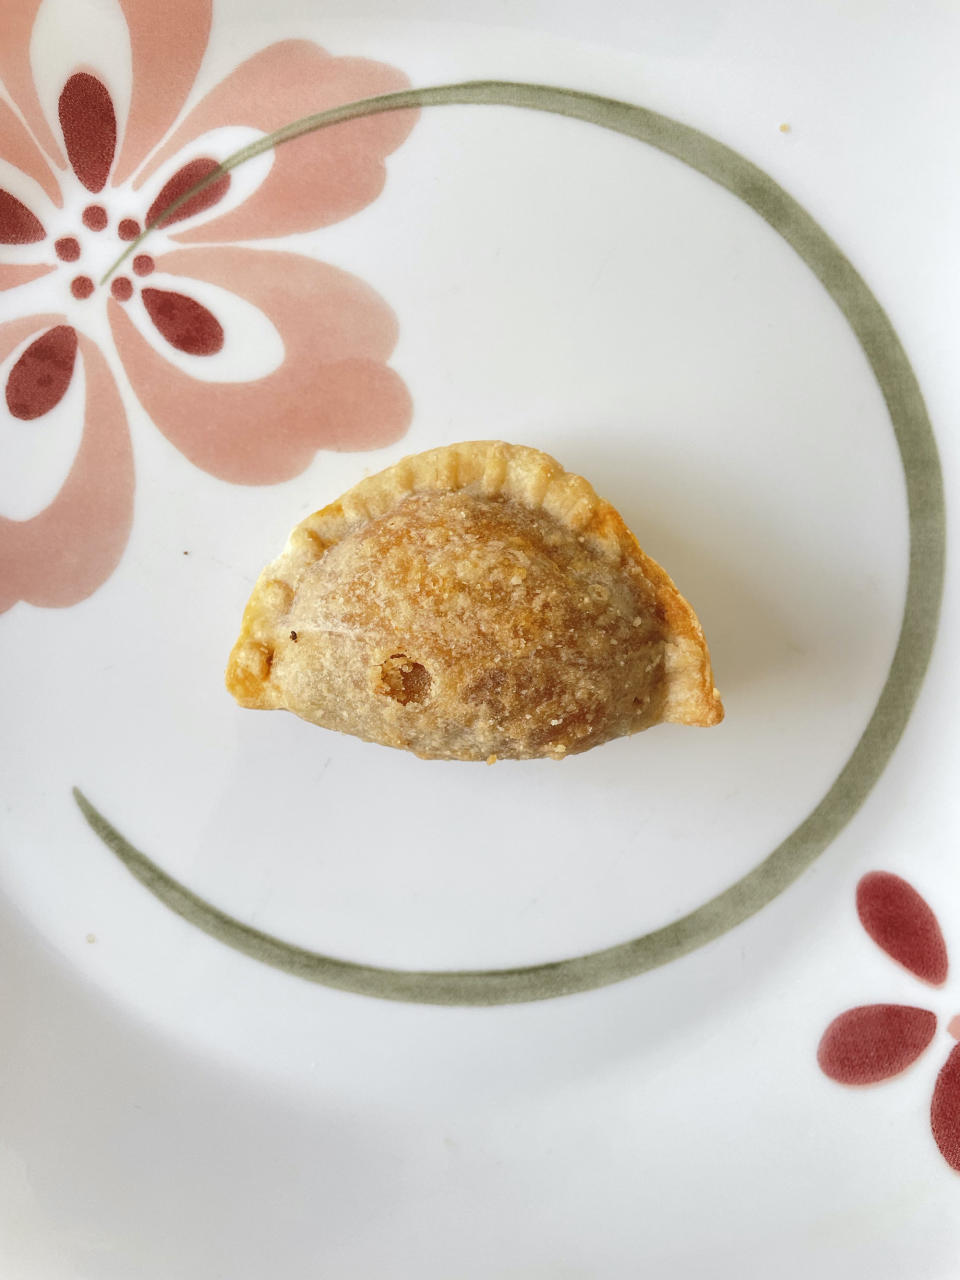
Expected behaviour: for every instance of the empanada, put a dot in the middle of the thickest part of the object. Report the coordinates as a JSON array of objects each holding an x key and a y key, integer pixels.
[{"x": 472, "y": 602}]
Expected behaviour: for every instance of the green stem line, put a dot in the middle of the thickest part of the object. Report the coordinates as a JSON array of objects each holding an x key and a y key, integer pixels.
[{"x": 437, "y": 95}]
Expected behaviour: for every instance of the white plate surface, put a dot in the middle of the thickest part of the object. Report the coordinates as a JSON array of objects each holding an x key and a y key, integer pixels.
[{"x": 171, "y": 1107}]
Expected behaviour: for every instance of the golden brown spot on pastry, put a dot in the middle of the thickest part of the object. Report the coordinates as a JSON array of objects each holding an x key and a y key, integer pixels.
[
  {"x": 278, "y": 594},
  {"x": 251, "y": 671},
  {"x": 306, "y": 543},
  {"x": 403, "y": 680}
]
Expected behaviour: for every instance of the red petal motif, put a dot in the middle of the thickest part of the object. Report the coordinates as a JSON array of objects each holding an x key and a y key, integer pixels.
[
  {"x": 899, "y": 921},
  {"x": 39, "y": 379},
  {"x": 182, "y": 181},
  {"x": 17, "y": 224},
  {"x": 89, "y": 127},
  {"x": 945, "y": 1110},
  {"x": 874, "y": 1042},
  {"x": 186, "y": 324}
]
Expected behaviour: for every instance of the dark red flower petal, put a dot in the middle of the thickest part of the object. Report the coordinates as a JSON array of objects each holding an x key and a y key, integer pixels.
[
  {"x": 39, "y": 379},
  {"x": 89, "y": 127},
  {"x": 17, "y": 224},
  {"x": 899, "y": 921},
  {"x": 945, "y": 1110},
  {"x": 874, "y": 1042},
  {"x": 186, "y": 324},
  {"x": 182, "y": 181}
]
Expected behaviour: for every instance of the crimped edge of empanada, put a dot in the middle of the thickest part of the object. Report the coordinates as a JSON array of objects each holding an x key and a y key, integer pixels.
[{"x": 492, "y": 468}]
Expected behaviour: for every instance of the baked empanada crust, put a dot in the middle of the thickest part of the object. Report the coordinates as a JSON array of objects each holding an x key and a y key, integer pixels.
[{"x": 471, "y": 602}]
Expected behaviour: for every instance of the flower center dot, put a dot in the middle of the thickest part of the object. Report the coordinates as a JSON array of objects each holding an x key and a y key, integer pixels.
[
  {"x": 143, "y": 264},
  {"x": 81, "y": 287},
  {"x": 95, "y": 217},
  {"x": 67, "y": 249},
  {"x": 122, "y": 289},
  {"x": 128, "y": 229}
]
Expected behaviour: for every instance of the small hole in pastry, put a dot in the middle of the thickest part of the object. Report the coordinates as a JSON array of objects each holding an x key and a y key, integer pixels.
[{"x": 403, "y": 680}]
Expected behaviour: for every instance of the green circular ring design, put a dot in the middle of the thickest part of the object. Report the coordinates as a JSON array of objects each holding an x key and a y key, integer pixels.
[{"x": 927, "y": 523}]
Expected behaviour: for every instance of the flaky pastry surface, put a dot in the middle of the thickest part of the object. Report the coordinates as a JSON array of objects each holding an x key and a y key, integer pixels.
[{"x": 471, "y": 602}]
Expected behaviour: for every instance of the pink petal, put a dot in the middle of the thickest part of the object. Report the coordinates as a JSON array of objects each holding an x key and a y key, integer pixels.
[
  {"x": 12, "y": 276},
  {"x": 89, "y": 125},
  {"x": 185, "y": 323},
  {"x": 874, "y": 1042},
  {"x": 167, "y": 43},
  {"x": 186, "y": 177},
  {"x": 40, "y": 378},
  {"x": 20, "y": 150},
  {"x": 16, "y": 24},
  {"x": 63, "y": 554},
  {"x": 332, "y": 391},
  {"x": 315, "y": 180},
  {"x": 945, "y": 1110},
  {"x": 899, "y": 921},
  {"x": 17, "y": 224}
]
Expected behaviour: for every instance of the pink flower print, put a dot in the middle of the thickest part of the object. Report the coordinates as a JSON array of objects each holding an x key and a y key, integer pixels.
[
  {"x": 336, "y": 340},
  {"x": 82, "y": 176},
  {"x": 875, "y": 1042}
]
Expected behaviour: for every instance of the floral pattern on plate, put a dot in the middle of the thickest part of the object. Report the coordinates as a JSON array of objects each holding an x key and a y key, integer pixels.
[
  {"x": 332, "y": 387},
  {"x": 871, "y": 1043}
]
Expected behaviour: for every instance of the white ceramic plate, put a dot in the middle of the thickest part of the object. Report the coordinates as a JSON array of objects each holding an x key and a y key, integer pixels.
[{"x": 281, "y": 1002}]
